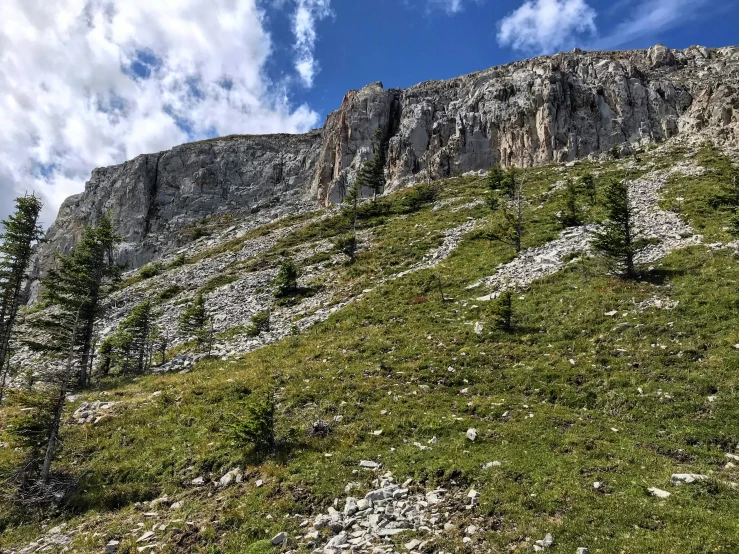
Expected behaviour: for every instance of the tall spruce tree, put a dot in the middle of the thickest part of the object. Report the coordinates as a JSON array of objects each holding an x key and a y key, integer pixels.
[
  {"x": 21, "y": 232},
  {"x": 130, "y": 346},
  {"x": 80, "y": 284},
  {"x": 571, "y": 214},
  {"x": 350, "y": 207},
  {"x": 618, "y": 242},
  {"x": 194, "y": 321},
  {"x": 372, "y": 173},
  {"x": 509, "y": 228}
]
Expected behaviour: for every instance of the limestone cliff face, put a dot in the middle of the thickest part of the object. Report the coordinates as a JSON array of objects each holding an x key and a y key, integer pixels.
[
  {"x": 154, "y": 196},
  {"x": 555, "y": 108}
]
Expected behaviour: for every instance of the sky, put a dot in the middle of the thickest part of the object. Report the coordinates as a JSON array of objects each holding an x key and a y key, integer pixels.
[{"x": 90, "y": 83}]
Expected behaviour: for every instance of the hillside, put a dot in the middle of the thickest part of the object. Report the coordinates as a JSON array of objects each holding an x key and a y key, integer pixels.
[{"x": 606, "y": 388}]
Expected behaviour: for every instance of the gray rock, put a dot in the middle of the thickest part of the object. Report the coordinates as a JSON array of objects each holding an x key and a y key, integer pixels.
[
  {"x": 279, "y": 538},
  {"x": 112, "y": 547},
  {"x": 686, "y": 478}
]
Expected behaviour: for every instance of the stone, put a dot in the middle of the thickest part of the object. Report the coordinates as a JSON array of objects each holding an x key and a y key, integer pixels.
[
  {"x": 686, "y": 478},
  {"x": 659, "y": 493},
  {"x": 279, "y": 538},
  {"x": 479, "y": 327},
  {"x": 112, "y": 547},
  {"x": 471, "y": 434},
  {"x": 583, "y": 550},
  {"x": 350, "y": 508},
  {"x": 146, "y": 537},
  {"x": 198, "y": 481},
  {"x": 368, "y": 464}
]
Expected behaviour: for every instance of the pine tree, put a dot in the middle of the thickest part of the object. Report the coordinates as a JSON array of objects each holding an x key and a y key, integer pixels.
[
  {"x": 194, "y": 321},
  {"x": 130, "y": 345},
  {"x": 587, "y": 185},
  {"x": 618, "y": 241},
  {"x": 347, "y": 244},
  {"x": 496, "y": 178},
  {"x": 286, "y": 283},
  {"x": 256, "y": 425},
  {"x": 79, "y": 283},
  {"x": 372, "y": 173},
  {"x": 503, "y": 311},
  {"x": 21, "y": 233},
  {"x": 571, "y": 215},
  {"x": 350, "y": 207},
  {"x": 510, "y": 228}
]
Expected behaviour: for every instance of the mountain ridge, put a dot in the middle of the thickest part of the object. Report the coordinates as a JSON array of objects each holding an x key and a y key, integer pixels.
[{"x": 530, "y": 112}]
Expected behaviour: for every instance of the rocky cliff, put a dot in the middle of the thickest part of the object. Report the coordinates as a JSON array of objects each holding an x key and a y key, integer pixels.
[{"x": 555, "y": 108}]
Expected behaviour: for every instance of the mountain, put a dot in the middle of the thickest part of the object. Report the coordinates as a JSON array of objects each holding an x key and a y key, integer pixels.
[
  {"x": 405, "y": 416},
  {"x": 548, "y": 109}
]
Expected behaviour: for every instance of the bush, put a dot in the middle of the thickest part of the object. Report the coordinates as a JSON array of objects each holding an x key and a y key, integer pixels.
[
  {"x": 419, "y": 196},
  {"x": 347, "y": 244},
  {"x": 150, "y": 270},
  {"x": 259, "y": 547},
  {"x": 259, "y": 324},
  {"x": 255, "y": 426},
  {"x": 169, "y": 293},
  {"x": 179, "y": 261},
  {"x": 286, "y": 283}
]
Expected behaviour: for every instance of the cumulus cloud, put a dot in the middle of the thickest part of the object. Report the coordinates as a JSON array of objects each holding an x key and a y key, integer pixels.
[
  {"x": 546, "y": 26},
  {"x": 307, "y": 14},
  {"x": 87, "y": 83}
]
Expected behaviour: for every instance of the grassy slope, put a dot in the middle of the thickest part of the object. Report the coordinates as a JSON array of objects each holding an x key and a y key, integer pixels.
[{"x": 387, "y": 353}]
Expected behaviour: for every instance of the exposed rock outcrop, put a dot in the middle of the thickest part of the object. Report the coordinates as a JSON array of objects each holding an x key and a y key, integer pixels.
[{"x": 554, "y": 108}]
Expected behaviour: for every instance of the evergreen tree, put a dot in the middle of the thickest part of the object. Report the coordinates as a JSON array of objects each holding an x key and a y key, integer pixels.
[
  {"x": 21, "y": 233},
  {"x": 618, "y": 241},
  {"x": 79, "y": 283},
  {"x": 350, "y": 207},
  {"x": 496, "y": 178},
  {"x": 347, "y": 244},
  {"x": 503, "y": 311},
  {"x": 130, "y": 345},
  {"x": 571, "y": 215},
  {"x": 194, "y": 321},
  {"x": 510, "y": 227},
  {"x": 372, "y": 172},
  {"x": 587, "y": 185},
  {"x": 734, "y": 223},
  {"x": 286, "y": 283},
  {"x": 256, "y": 425}
]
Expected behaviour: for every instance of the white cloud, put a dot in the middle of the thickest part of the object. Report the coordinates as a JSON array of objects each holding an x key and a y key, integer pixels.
[
  {"x": 449, "y": 6},
  {"x": 545, "y": 26},
  {"x": 87, "y": 83},
  {"x": 649, "y": 18},
  {"x": 307, "y": 14}
]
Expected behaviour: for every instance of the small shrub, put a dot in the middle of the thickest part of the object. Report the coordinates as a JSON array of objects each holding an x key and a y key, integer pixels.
[
  {"x": 217, "y": 282},
  {"x": 347, "y": 245},
  {"x": 286, "y": 283},
  {"x": 169, "y": 293},
  {"x": 199, "y": 232},
  {"x": 259, "y": 547},
  {"x": 150, "y": 270},
  {"x": 179, "y": 261},
  {"x": 419, "y": 196},
  {"x": 255, "y": 426},
  {"x": 259, "y": 324},
  {"x": 503, "y": 312}
]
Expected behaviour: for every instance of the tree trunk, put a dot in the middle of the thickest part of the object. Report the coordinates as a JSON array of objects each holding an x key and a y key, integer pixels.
[{"x": 59, "y": 407}]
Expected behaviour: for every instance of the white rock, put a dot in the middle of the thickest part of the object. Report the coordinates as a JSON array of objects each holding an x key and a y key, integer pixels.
[
  {"x": 687, "y": 478},
  {"x": 659, "y": 493},
  {"x": 479, "y": 327},
  {"x": 471, "y": 434},
  {"x": 146, "y": 537},
  {"x": 279, "y": 538},
  {"x": 368, "y": 464},
  {"x": 112, "y": 547},
  {"x": 412, "y": 544}
]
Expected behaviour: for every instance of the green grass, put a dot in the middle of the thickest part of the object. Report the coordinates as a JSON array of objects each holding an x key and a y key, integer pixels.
[{"x": 390, "y": 362}]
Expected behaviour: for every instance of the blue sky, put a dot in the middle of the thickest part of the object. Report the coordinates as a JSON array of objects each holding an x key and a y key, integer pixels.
[
  {"x": 91, "y": 83},
  {"x": 402, "y": 43}
]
